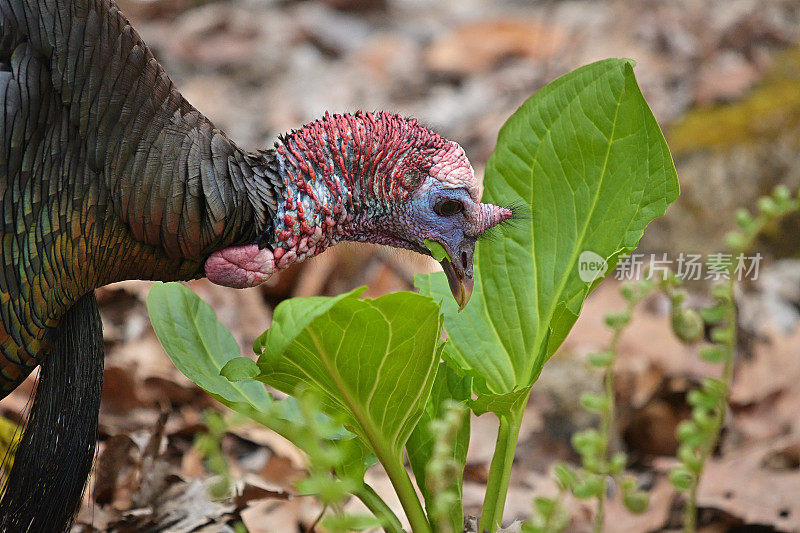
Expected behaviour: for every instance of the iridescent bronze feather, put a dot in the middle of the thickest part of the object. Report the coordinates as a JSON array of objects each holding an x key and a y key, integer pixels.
[{"x": 107, "y": 172}]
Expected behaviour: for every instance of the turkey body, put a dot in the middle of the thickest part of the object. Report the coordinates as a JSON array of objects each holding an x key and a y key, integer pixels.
[{"x": 106, "y": 171}]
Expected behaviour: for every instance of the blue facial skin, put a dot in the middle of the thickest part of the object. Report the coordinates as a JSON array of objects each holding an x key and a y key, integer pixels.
[
  {"x": 424, "y": 216},
  {"x": 452, "y": 230}
]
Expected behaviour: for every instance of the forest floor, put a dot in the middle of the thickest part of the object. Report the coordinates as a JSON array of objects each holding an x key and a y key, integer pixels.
[
  {"x": 260, "y": 67},
  {"x": 752, "y": 480}
]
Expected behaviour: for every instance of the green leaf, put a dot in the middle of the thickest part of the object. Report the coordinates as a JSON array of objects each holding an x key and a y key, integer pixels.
[
  {"x": 293, "y": 315},
  {"x": 594, "y": 403},
  {"x": 565, "y": 475},
  {"x": 591, "y": 487},
  {"x": 549, "y": 516},
  {"x": 588, "y": 442},
  {"x": 711, "y": 354},
  {"x": 447, "y": 386},
  {"x": 328, "y": 489},
  {"x": 437, "y": 250},
  {"x": 350, "y": 522},
  {"x": 715, "y": 388},
  {"x": 617, "y": 463},
  {"x": 586, "y": 158},
  {"x": 681, "y": 478},
  {"x": 722, "y": 334},
  {"x": 701, "y": 398},
  {"x": 371, "y": 362},
  {"x": 545, "y": 506},
  {"x": 239, "y": 368},
  {"x": 713, "y": 315},
  {"x": 499, "y": 403},
  {"x": 637, "y": 501},
  {"x": 601, "y": 359},
  {"x": 200, "y": 346},
  {"x": 690, "y": 458}
]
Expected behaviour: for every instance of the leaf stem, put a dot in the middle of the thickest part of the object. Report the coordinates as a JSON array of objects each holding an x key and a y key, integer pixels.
[
  {"x": 378, "y": 507},
  {"x": 500, "y": 469},
  {"x": 607, "y": 415},
  {"x": 729, "y": 347},
  {"x": 398, "y": 475}
]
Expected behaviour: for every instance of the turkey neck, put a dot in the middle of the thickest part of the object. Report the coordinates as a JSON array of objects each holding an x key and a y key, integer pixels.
[
  {"x": 340, "y": 182},
  {"x": 209, "y": 198}
]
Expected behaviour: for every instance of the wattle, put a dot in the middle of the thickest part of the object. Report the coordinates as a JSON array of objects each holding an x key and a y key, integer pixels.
[{"x": 240, "y": 266}]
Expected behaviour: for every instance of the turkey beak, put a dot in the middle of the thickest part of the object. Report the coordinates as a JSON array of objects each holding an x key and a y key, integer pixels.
[
  {"x": 459, "y": 273},
  {"x": 460, "y": 283},
  {"x": 459, "y": 270}
]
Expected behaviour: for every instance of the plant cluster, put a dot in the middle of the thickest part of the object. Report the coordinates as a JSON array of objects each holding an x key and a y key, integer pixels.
[
  {"x": 598, "y": 465},
  {"x": 699, "y": 435},
  {"x": 588, "y": 166}
]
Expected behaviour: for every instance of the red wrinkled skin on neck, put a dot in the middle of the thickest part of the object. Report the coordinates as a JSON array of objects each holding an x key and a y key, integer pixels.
[
  {"x": 340, "y": 172},
  {"x": 373, "y": 155}
]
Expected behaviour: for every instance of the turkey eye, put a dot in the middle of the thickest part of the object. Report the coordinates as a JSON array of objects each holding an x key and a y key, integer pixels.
[{"x": 448, "y": 208}]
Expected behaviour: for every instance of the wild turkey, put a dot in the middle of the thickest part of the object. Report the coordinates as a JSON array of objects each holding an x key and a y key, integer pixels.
[{"x": 108, "y": 173}]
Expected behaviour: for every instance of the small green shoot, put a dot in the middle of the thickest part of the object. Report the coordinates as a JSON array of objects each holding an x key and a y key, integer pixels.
[
  {"x": 699, "y": 435},
  {"x": 437, "y": 250},
  {"x": 209, "y": 447}
]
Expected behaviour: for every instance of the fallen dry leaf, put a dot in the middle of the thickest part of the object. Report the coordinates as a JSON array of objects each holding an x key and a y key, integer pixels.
[
  {"x": 773, "y": 368},
  {"x": 181, "y": 508},
  {"x": 252, "y": 488},
  {"x": 743, "y": 484},
  {"x": 114, "y": 468},
  {"x": 271, "y": 516}
]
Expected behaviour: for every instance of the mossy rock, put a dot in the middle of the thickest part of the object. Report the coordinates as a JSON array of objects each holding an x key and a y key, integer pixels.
[
  {"x": 771, "y": 109},
  {"x": 729, "y": 155}
]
